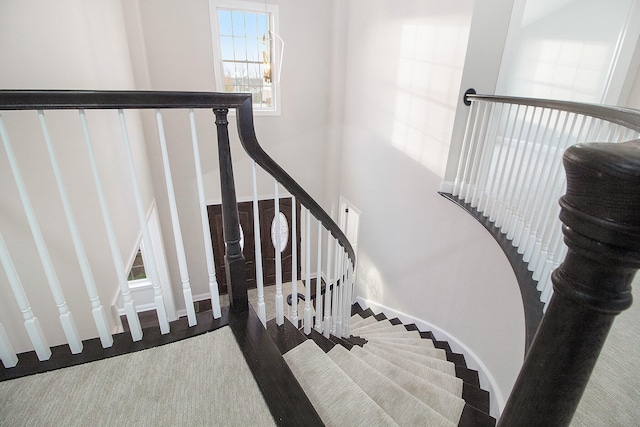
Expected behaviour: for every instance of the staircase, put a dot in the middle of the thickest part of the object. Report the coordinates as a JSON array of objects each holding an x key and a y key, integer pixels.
[{"x": 385, "y": 373}]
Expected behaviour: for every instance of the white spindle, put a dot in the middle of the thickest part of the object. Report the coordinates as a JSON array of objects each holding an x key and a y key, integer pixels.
[
  {"x": 480, "y": 143},
  {"x": 319, "y": 281},
  {"x": 495, "y": 163},
  {"x": 99, "y": 315},
  {"x": 7, "y": 353},
  {"x": 150, "y": 258},
  {"x": 347, "y": 323},
  {"x": 472, "y": 146},
  {"x": 308, "y": 315},
  {"x": 341, "y": 289},
  {"x": 204, "y": 220},
  {"x": 484, "y": 163},
  {"x": 31, "y": 323},
  {"x": 464, "y": 151},
  {"x": 175, "y": 223},
  {"x": 554, "y": 175},
  {"x": 334, "y": 304},
  {"x": 121, "y": 274},
  {"x": 517, "y": 222},
  {"x": 279, "y": 299},
  {"x": 505, "y": 166},
  {"x": 513, "y": 184},
  {"x": 328, "y": 291},
  {"x": 66, "y": 319},
  {"x": 529, "y": 232},
  {"x": 262, "y": 315},
  {"x": 294, "y": 262}
]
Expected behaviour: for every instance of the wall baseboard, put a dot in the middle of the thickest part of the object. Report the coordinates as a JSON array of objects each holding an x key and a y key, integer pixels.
[{"x": 487, "y": 381}]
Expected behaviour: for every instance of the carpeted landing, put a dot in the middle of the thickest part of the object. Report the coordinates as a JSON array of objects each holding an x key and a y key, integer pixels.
[
  {"x": 174, "y": 384},
  {"x": 387, "y": 375}
]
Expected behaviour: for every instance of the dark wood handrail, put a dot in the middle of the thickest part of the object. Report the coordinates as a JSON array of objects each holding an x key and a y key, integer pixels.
[
  {"x": 622, "y": 116},
  {"x": 255, "y": 151},
  {"x": 592, "y": 286},
  {"x": 79, "y": 99}
]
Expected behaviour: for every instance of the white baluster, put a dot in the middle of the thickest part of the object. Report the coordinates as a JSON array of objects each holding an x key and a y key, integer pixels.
[
  {"x": 262, "y": 314},
  {"x": 150, "y": 258},
  {"x": 341, "y": 289},
  {"x": 505, "y": 166},
  {"x": 529, "y": 232},
  {"x": 294, "y": 263},
  {"x": 327, "y": 294},
  {"x": 334, "y": 304},
  {"x": 488, "y": 207},
  {"x": 319, "y": 281},
  {"x": 517, "y": 221},
  {"x": 464, "y": 151},
  {"x": 308, "y": 315},
  {"x": 479, "y": 143},
  {"x": 31, "y": 323},
  {"x": 121, "y": 274},
  {"x": 481, "y": 197},
  {"x": 204, "y": 219},
  {"x": 7, "y": 353},
  {"x": 278, "y": 254},
  {"x": 551, "y": 192},
  {"x": 347, "y": 323},
  {"x": 99, "y": 315},
  {"x": 175, "y": 223},
  {"x": 66, "y": 319}
]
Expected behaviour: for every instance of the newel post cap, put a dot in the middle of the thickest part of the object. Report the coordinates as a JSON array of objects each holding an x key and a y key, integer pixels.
[{"x": 602, "y": 201}]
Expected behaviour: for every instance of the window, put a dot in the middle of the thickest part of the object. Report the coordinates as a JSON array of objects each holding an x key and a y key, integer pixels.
[{"x": 245, "y": 51}]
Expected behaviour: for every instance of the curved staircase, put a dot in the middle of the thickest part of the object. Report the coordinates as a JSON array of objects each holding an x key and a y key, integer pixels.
[{"x": 385, "y": 373}]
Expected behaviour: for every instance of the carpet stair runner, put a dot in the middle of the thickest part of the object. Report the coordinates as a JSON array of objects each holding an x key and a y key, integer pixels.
[{"x": 385, "y": 373}]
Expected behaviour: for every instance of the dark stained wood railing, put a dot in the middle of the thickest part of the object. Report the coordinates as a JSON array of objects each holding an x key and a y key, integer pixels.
[{"x": 601, "y": 226}]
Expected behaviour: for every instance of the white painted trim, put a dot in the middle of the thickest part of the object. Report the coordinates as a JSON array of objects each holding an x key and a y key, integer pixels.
[
  {"x": 487, "y": 380},
  {"x": 446, "y": 187}
]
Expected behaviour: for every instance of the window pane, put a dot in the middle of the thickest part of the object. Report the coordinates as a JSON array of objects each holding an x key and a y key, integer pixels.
[
  {"x": 240, "y": 49},
  {"x": 253, "y": 51},
  {"x": 263, "y": 27},
  {"x": 251, "y": 25},
  {"x": 238, "y": 23},
  {"x": 226, "y": 45},
  {"x": 224, "y": 20}
]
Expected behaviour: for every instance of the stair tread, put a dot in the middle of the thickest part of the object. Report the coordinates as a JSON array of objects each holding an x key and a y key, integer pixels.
[
  {"x": 400, "y": 340},
  {"x": 346, "y": 403},
  {"x": 447, "y": 382},
  {"x": 401, "y": 405},
  {"x": 392, "y": 334},
  {"x": 324, "y": 343},
  {"x": 362, "y": 321},
  {"x": 473, "y": 417},
  {"x": 441, "y": 365},
  {"x": 435, "y": 353},
  {"x": 372, "y": 326},
  {"x": 445, "y": 403}
]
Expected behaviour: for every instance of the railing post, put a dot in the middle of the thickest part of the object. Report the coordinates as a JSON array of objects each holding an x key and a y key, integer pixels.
[
  {"x": 233, "y": 259},
  {"x": 593, "y": 285}
]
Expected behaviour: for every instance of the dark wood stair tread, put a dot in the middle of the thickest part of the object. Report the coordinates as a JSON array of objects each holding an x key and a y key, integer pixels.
[{"x": 473, "y": 417}]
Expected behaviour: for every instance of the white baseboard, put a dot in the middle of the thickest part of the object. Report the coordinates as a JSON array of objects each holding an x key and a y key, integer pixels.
[
  {"x": 487, "y": 381},
  {"x": 446, "y": 187}
]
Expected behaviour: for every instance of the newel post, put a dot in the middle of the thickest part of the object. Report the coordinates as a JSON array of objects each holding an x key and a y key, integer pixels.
[
  {"x": 233, "y": 259},
  {"x": 601, "y": 226}
]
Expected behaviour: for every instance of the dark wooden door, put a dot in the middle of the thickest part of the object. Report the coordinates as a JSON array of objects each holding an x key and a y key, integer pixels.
[
  {"x": 245, "y": 214},
  {"x": 266, "y": 216}
]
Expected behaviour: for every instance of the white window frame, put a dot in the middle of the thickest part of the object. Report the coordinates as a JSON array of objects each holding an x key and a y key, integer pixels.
[{"x": 255, "y": 7}]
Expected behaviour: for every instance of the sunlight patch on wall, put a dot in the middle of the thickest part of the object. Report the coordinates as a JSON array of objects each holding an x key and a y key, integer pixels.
[
  {"x": 572, "y": 70},
  {"x": 428, "y": 81}
]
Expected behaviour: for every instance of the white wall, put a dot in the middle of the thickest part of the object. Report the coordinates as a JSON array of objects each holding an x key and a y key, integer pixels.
[
  {"x": 70, "y": 44},
  {"x": 419, "y": 253},
  {"x": 174, "y": 40}
]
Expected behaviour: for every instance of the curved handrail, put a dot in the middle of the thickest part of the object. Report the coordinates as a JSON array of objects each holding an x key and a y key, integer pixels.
[
  {"x": 250, "y": 143},
  {"x": 78, "y": 99},
  {"x": 622, "y": 116}
]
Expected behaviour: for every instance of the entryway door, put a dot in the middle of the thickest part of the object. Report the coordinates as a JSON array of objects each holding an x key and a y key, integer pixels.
[{"x": 266, "y": 212}]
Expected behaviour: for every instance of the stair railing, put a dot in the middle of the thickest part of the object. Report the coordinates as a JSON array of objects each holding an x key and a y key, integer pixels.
[
  {"x": 601, "y": 228},
  {"x": 510, "y": 169},
  {"x": 331, "y": 318}
]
